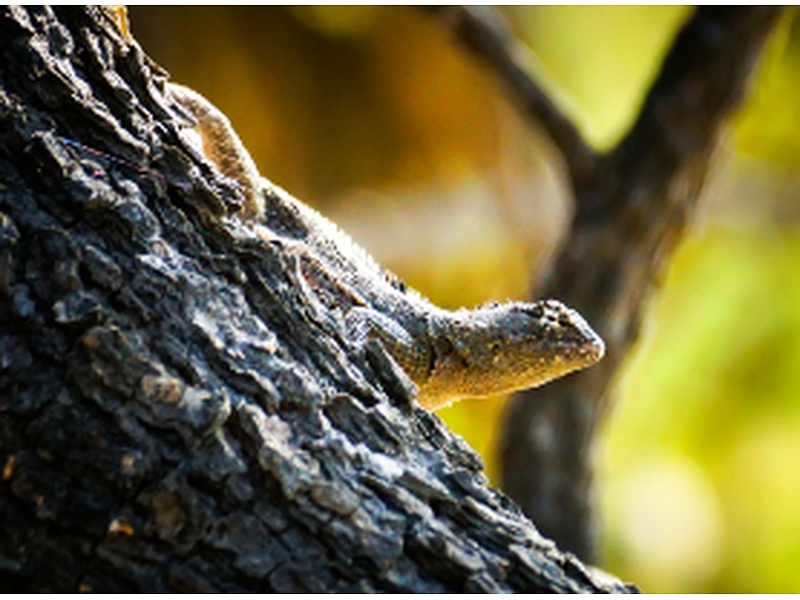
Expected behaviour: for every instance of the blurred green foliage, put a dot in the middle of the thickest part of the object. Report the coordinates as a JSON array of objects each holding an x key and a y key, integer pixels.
[
  {"x": 702, "y": 474},
  {"x": 373, "y": 115}
]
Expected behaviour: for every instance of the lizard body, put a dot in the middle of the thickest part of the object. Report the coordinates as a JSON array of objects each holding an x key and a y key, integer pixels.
[{"x": 447, "y": 354}]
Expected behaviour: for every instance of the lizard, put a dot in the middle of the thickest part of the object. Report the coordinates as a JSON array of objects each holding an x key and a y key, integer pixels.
[{"x": 448, "y": 354}]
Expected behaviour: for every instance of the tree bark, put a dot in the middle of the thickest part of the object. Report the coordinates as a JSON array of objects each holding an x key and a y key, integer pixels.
[{"x": 178, "y": 409}]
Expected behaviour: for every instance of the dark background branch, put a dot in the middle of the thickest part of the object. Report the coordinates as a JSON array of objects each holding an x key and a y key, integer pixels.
[
  {"x": 484, "y": 31},
  {"x": 629, "y": 216}
]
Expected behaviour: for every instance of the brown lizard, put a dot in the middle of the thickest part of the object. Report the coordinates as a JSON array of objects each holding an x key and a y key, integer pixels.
[{"x": 448, "y": 354}]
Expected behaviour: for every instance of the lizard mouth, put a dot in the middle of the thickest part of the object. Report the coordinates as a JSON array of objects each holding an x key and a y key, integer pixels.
[
  {"x": 594, "y": 350},
  {"x": 595, "y": 347},
  {"x": 585, "y": 343},
  {"x": 584, "y": 340},
  {"x": 575, "y": 356}
]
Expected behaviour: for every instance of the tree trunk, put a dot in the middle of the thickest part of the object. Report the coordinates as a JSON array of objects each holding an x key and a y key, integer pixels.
[{"x": 178, "y": 409}]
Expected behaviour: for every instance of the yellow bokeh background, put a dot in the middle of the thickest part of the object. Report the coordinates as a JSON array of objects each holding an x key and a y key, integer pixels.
[{"x": 372, "y": 115}]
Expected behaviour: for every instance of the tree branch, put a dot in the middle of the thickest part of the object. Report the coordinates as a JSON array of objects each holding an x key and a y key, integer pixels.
[
  {"x": 485, "y": 32},
  {"x": 629, "y": 217}
]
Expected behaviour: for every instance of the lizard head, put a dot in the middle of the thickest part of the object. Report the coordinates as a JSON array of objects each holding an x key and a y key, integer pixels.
[
  {"x": 548, "y": 336},
  {"x": 502, "y": 348}
]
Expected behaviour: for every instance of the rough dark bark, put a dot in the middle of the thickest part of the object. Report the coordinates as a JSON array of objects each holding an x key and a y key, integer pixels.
[
  {"x": 632, "y": 205},
  {"x": 177, "y": 410}
]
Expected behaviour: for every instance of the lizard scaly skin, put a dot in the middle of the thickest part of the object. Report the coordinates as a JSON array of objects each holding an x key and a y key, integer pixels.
[{"x": 448, "y": 355}]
